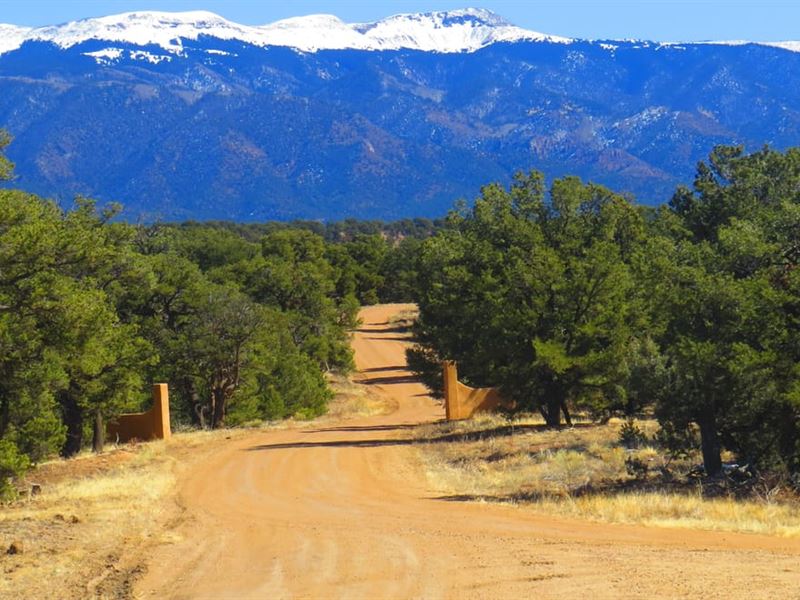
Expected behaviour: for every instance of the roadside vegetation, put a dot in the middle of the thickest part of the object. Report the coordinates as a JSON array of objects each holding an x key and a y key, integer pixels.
[
  {"x": 573, "y": 299},
  {"x": 581, "y": 306},
  {"x": 70, "y": 537},
  {"x": 245, "y": 324},
  {"x": 614, "y": 472}
]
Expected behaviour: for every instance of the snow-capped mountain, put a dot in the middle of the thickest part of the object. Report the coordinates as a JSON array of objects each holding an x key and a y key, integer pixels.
[
  {"x": 188, "y": 115},
  {"x": 448, "y": 31},
  {"x": 465, "y": 30}
]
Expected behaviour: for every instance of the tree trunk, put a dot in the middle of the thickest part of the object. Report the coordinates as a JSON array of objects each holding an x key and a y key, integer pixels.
[
  {"x": 73, "y": 419},
  {"x": 565, "y": 410},
  {"x": 552, "y": 415},
  {"x": 709, "y": 442},
  {"x": 99, "y": 433},
  {"x": 552, "y": 405},
  {"x": 194, "y": 402},
  {"x": 5, "y": 414},
  {"x": 200, "y": 413},
  {"x": 543, "y": 412},
  {"x": 218, "y": 408}
]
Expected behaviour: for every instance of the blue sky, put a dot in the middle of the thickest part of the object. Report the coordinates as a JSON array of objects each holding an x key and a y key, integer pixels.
[{"x": 673, "y": 20}]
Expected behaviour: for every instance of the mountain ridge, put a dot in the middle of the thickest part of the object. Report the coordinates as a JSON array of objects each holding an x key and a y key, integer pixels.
[
  {"x": 223, "y": 128},
  {"x": 462, "y": 30},
  {"x": 441, "y": 31}
]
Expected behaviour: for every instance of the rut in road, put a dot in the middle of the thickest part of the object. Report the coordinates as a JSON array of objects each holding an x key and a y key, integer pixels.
[{"x": 345, "y": 511}]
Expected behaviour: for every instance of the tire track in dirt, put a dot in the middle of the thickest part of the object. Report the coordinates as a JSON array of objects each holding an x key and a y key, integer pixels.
[{"x": 344, "y": 511}]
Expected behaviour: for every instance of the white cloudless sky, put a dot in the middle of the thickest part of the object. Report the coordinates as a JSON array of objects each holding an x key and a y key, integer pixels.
[{"x": 663, "y": 20}]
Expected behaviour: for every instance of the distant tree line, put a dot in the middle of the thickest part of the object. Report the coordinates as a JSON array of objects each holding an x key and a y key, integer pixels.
[
  {"x": 332, "y": 231},
  {"x": 573, "y": 298}
]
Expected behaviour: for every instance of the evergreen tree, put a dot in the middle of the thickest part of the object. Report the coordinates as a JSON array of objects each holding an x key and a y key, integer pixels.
[
  {"x": 6, "y": 166},
  {"x": 534, "y": 296},
  {"x": 732, "y": 329}
]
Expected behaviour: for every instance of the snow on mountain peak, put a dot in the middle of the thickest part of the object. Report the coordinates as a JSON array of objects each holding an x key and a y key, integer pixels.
[
  {"x": 463, "y": 30},
  {"x": 310, "y": 33},
  {"x": 141, "y": 28},
  {"x": 12, "y": 37},
  {"x": 469, "y": 17}
]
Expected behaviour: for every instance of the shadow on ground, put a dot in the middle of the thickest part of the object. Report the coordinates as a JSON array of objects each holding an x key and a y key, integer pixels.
[
  {"x": 390, "y": 380},
  {"x": 383, "y": 330},
  {"x": 384, "y": 369},
  {"x": 470, "y": 436}
]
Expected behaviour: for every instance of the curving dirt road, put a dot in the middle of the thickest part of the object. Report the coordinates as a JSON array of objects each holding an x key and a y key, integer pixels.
[{"x": 343, "y": 511}]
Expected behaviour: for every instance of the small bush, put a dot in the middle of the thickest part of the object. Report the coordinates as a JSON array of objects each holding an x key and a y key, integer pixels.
[
  {"x": 12, "y": 464},
  {"x": 427, "y": 365},
  {"x": 636, "y": 467},
  {"x": 679, "y": 442},
  {"x": 630, "y": 436},
  {"x": 569, "y": 471}
]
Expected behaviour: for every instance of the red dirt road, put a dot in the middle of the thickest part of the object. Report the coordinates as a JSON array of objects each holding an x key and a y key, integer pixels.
[{"x": 344, "y": 511}]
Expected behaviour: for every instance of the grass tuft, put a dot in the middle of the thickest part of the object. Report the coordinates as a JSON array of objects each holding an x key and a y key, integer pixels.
[{"x": 352, "y": 400}]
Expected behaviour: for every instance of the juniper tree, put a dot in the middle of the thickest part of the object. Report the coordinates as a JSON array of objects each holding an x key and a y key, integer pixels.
[{"x": 535, "y": 294}]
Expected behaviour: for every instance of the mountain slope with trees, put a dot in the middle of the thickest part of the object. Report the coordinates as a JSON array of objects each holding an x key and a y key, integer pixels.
[{"x": 225, "y": 129}]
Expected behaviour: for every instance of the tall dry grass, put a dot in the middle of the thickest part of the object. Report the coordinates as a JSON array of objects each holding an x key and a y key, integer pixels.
[
  {"x": 689, "y": 511},
  {"x": 583, "y": 472}
]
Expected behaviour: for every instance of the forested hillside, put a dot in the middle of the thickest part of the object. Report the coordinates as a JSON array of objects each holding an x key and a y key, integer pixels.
[{"x": 223, "y": 127}]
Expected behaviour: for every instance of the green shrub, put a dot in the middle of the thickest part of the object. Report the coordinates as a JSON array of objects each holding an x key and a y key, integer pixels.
[
  {"x": 630, "y": 436},
  {"x": 12, "y": 464},
  {"x": 636, "y": 467}
]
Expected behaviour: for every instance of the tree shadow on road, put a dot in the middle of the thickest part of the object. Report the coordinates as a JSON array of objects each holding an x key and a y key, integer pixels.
[
  {"x": 385, "y": 369},
  {"x": 396, "y": 427},
  {"x": 503, "y": 430},
  {"x": 382, "y": 330},
  {"x": 391, "y": 380},
  {"x": 332, "y": 444}
]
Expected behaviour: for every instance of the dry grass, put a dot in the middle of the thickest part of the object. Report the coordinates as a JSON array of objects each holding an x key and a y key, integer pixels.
[
  {"x": 663, "y": 509},
  {"x": 582, "y": 472},
  {"x": 83, "y": 534},
  {"x": 353, "y": 400},
  {"x": 73, "y": 532},
  {"x": 404, "y": 319}
]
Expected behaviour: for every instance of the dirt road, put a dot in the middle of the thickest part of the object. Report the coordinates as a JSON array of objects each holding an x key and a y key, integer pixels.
[{"x": 344, "y": 512}]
